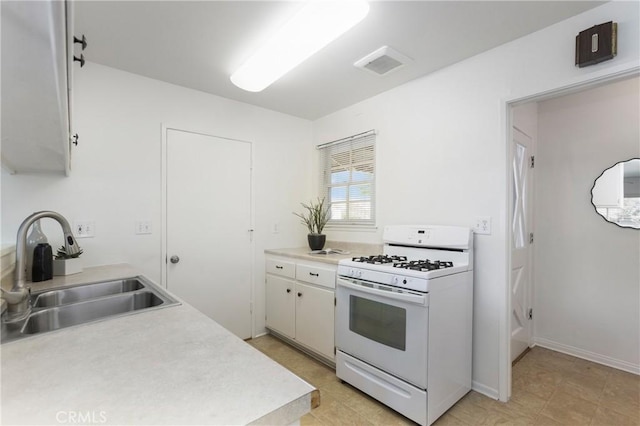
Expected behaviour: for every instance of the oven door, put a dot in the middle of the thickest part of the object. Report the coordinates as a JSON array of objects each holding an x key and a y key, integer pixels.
[{"x": 384, "y": 326}]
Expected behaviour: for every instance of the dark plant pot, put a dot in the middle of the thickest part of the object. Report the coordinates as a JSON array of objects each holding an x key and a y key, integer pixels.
[{"x": 316, "y": 241}]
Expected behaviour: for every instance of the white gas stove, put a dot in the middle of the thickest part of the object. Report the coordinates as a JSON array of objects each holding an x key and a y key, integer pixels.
[
  {"x": 404, "y": 320},
  {"x": 414, "y": 255}
]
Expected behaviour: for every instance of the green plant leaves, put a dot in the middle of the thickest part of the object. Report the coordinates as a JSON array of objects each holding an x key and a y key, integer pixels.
[{"x": 316, "y": 217}]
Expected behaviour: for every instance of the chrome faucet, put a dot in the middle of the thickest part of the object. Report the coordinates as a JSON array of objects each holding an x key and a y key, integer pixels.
[{"x": 19, "y": 298}]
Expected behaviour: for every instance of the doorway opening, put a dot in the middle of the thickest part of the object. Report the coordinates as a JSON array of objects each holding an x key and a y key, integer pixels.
[{"x": 514, "y": 233}]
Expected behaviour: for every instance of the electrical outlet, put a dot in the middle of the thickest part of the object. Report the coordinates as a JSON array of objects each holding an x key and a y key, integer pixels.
[
  {"x": 483, "y": 225},
  {"x": 143, "y": 227},
  {"x": 84, "y": 229}
]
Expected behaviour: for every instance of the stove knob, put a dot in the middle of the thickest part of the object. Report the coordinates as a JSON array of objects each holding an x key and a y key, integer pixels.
[
  {"x": 394, "y": 280},
  {"x": 358, "y": 274}
]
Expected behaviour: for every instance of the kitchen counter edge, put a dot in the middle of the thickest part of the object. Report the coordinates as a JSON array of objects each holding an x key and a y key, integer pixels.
[
  {"x": 214, "y": 377},
  {"x": 351, "y": 250}
]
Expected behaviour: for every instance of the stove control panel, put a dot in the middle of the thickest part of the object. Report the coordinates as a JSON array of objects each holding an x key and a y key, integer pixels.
[
  {"x": 445, "y": 237},
  {"x": 398, "y": 281},
  {"x": 401, "y": 281},
  {"x": 354, "y": 273}
]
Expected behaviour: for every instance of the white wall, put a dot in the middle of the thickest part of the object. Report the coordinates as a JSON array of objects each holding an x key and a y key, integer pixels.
[
  {"x": 116, "y": 169},
  {"x": 442, "y": 153},
  {"x": 587, "y": 286}
]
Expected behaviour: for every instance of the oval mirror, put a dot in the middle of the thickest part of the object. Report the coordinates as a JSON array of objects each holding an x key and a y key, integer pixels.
[{"x": 616, "y": 194}]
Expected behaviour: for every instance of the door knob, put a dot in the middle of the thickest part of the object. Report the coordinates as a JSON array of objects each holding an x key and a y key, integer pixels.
[{"x": 174, "y": 259}]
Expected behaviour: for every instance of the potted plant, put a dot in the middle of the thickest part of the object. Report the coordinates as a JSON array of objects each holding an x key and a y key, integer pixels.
[
  {"x": 67, "y": 264},
  {"x": 315, "y": 218}
]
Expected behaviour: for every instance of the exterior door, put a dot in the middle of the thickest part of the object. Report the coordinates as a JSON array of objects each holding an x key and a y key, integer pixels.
[
  {"x": 520, "y": 242},
  {"x": 208, "y": 226}
]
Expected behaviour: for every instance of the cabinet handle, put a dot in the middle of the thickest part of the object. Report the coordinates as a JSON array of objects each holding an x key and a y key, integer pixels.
[
  {"x": 299, "y": 294},
  {"x": 278, "y": 267},
  {"x": 80, "y": 59},
  {"x": 288, "y": 290},
  {"x": 314, "y": 275},
  {"x": 82, "y": 41}
]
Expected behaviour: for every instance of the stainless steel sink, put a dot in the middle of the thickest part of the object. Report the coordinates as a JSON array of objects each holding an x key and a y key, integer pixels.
[
  {"x": 85, "y": 292},
  {"x": 91, "y": 310},
  {"x": 67, "y": 307}
]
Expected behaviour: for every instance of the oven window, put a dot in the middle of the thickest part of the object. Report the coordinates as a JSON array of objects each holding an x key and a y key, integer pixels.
[{"x": 385, "y": 324}]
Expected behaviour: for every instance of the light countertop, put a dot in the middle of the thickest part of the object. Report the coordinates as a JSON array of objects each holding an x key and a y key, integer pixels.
[
  {"x": 168, "y": 366},
  {"x": 351, "y": 250}
]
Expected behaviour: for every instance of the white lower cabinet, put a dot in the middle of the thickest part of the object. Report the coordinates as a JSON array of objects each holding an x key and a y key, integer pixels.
[
  {"x": 281, "y": 305},
  {"x": 302, "y": 309},
  {"x": 314, "y": 318}
]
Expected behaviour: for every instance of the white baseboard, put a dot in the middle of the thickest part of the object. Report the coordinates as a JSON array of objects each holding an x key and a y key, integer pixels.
[
  {"x": 485, "y": 390},
  {"x": 589, "y": 356}
]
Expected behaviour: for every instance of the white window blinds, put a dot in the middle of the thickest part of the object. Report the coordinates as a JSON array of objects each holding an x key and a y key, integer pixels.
[{"x": 347, "y": 178}]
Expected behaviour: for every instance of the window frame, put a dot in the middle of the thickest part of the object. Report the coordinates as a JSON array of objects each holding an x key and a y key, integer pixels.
[{"x": 361, "y": 147}]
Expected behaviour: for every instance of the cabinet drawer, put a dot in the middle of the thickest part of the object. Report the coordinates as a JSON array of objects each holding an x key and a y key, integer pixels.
[
  {"x": 280, "y": 267},
  {"x": 320, "y": 276}
]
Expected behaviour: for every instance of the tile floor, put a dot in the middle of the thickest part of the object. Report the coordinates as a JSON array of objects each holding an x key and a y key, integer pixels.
[{"x": 549, "y": 388}]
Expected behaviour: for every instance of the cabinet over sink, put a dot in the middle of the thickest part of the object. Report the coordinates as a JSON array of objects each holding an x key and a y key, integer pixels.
[{"x": 36, "y": 85}]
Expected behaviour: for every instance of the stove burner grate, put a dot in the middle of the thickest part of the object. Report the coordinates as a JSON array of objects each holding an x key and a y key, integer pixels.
[
  {"x": 380, "y": 259},
  {"x": 424, "y": 265}
]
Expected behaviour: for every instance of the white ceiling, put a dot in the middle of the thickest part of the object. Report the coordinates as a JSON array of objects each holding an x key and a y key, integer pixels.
[{"x": 198, "y": 44}]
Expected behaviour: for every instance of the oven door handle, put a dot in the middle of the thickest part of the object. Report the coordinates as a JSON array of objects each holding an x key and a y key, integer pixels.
[{"x": 403, "y": 297}]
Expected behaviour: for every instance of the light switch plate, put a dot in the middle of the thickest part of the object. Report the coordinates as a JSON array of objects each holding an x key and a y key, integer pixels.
[
  {"x": 483, "y": 225},
  {"x": 143, "y": 227},
  {"x": 84, "y": 229}
]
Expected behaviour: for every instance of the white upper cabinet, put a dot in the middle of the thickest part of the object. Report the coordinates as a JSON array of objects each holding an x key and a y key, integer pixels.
[{"x": 35, "y": 86}]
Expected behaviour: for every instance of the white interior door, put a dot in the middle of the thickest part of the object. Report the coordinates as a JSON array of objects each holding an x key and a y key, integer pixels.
[
  {"x": 208, "y": 220},
  {"x": 520, "y": 243}
]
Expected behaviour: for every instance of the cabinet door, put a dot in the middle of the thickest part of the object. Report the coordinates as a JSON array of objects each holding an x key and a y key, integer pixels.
[
  {"x": 34, "y": 103},
  {"x": 314, "y": 318},
  {"x": 281, "y": 305}
]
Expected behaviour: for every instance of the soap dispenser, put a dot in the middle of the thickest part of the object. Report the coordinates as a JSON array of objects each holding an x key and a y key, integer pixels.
[
  {"x": 42, "y": 269},
  {"x": 35, "y": 237}
]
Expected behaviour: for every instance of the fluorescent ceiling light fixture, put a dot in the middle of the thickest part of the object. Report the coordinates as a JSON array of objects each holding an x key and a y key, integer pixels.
[{"x": 314, "y": 26}]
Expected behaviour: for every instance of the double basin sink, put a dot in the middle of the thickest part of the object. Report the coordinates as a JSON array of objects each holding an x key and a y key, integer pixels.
[{"x": 66, "y": 307}]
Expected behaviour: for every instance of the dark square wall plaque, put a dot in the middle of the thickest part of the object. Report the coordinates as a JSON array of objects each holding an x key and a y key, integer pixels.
[{"x": 597, "y": 44}]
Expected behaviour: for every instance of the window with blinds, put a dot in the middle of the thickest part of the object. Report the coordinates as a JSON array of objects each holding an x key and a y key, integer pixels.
[{"x": 347, "y": 176}]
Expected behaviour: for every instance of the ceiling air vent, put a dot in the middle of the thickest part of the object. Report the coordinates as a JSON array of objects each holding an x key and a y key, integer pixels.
[{"x": 383, "y": 61}]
